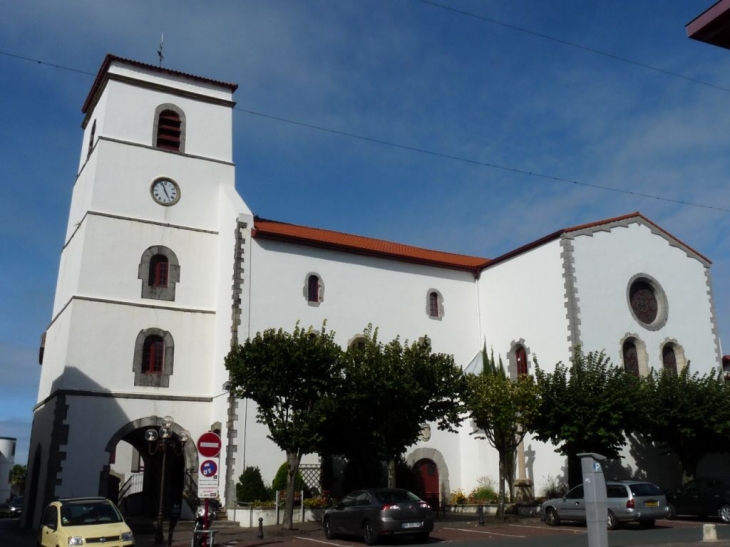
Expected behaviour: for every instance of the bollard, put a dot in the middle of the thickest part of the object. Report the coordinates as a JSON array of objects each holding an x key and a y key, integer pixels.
[
  {"x": 480, "y": 512},
  {"x": 261, "y": 529},
  {"x": 709, "y": 533}
]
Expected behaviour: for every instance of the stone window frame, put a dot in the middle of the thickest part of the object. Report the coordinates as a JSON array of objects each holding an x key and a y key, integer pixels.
[
  {"x": 641, "y": 354},
  {"x": 679, "y": 355},
  {"x": 512, "y": 358},
  {"x": 156, "y": 125},
  {"x": 661, "y": 298},
  {"x": 153, "y": 379},
  {"x": 440, "y": 304},
  {"x": 173, "y": 274},
  {"x": 320, "y": 289}
]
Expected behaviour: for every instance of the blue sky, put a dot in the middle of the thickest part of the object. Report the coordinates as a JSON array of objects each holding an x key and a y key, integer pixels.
[{"x": 402, "y": 71}]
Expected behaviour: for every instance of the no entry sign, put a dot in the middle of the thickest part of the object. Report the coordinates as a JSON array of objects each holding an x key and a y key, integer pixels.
[{"x": 209, "y": 445}]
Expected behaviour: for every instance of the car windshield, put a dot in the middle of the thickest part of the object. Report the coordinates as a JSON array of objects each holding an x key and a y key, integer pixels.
[
  {"x": 395, "y": 496},
  {"x": 645, "y": 489},
  {"x": 84, "y": 513},
  {"x": 17, "y": 502}
]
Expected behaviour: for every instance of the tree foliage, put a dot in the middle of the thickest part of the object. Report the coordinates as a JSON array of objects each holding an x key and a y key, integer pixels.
[
  {"x": 17, "y": 475},
  {"x": 251, "y": 486},
  {"x": 687, "y": 413},
  {"x": 392, "y": 390},
  {"x": 586, "y": 407},
  {"x": 290, "y": 377},
  {"x": 501, "y": 409}
]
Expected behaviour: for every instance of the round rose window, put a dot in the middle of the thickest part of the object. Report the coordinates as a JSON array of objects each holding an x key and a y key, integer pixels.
[{"x": 647, "y": 302}]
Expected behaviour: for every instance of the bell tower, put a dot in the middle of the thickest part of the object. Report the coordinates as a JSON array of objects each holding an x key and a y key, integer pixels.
[{"x": 144, "y": 308}]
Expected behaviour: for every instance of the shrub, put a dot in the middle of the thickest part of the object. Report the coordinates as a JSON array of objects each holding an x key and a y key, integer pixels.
[
  {"x": 485, "y": 491},
  {"x": 553, "y": 488},
  {"x": 457, "y": 497},
  {"x": 251, "y": 486},
  {"x": 279, "y": 483}
]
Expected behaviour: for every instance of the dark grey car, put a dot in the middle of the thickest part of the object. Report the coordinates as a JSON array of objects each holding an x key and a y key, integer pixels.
[
  {"x": 703, "y": 496},
  {"x": 627, "y": 501},
  {"x": 378, "y": 512}
]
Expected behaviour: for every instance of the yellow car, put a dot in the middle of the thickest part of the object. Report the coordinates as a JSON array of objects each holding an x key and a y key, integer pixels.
[{"x": 84, "y": 521}]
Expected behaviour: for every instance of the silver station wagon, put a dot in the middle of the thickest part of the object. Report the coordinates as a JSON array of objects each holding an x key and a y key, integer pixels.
[{"x": 627, "y": 501}]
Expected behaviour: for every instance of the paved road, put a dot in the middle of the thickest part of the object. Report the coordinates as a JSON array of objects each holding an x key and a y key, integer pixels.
[{"x": 457, "y": 533}]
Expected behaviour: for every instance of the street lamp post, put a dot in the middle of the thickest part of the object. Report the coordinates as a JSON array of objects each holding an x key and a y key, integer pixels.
[{"x": 161, "y": 442}]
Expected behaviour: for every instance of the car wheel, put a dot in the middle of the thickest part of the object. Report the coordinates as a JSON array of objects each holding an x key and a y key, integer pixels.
[
  {"x": 646, "y": 524},
  {"x": 328, "y": 532},
  {"x": 551, "y": 517},
  {"x": 422, "y": 537},
  {"x": 724, "y": 513},
  {"x": 671, "y": 511},
  {"x": 611, "y": 522},
  {"x": 368, "y": 534}
]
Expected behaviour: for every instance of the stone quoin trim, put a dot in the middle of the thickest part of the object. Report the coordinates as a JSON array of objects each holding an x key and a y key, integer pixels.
[
  {"x": 572, "y": 302},
  {"x": 241, "y": 241},
  {"x": 713, "y": 317},
  {"x": 56, "y": 452}
]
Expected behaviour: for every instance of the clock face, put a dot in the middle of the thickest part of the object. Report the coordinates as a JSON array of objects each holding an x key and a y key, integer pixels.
[{"x": 165, "y": 191}]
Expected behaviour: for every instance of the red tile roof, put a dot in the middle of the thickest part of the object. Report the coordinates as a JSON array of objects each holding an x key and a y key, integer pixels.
[
  {"x": 315, "y": 237},
  {"x": 111, "y": 58}
]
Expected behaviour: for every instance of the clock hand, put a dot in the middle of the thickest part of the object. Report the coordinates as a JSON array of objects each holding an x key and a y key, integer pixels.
[{"x": 164, "y": 188}]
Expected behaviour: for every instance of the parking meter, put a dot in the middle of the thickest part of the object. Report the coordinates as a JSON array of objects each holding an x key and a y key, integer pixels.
[{"x": 594, "y": 497}]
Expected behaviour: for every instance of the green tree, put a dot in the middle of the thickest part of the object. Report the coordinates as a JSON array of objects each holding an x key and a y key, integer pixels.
[
  {"x": 392, "y": 391},
  {"x": 687, "y": 413},
  {"x": 289, "y": 376},
  {"x": 251, "y": 486},
  {"x": 586, "y": 407},
  {"x": 17, "y": 477},
  {"x": 501, "y": 409}
]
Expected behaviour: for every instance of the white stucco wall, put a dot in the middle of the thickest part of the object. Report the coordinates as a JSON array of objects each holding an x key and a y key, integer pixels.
[{"x": 605, "y": 262}]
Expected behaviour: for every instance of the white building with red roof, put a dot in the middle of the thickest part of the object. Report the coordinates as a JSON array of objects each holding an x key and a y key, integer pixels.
[{"x": 164, "y": 267}]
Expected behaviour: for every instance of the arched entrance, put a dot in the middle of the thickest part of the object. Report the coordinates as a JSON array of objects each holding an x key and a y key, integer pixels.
[
  {"x": 428, "y": 482},
  {"x": 134, "y": 474}
]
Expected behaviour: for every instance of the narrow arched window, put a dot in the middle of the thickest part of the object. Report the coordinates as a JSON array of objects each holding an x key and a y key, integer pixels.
[
  {"x": 153, "y": 355},
  {"x": 92, "y": 134},
  {"x": 433, "y": 304},
  {"x": 521, "y": 359},
  {"x": 169, "y": 130},
  {"x": 631, "y": 358},
  {"x": 669, "y": 358},
  {"x": 159, "y": 268},
  {"x": 313, "y": 288}
]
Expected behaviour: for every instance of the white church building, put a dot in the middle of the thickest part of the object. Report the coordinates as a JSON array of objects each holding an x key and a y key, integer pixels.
[{"x": 164, "y": 267}]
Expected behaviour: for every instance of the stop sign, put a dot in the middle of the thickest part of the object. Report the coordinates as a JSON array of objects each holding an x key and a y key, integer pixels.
[{"x": 209, "y": 445}]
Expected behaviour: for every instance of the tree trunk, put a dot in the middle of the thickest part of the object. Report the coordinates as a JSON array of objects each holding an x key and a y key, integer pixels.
[
  {"x": 391, "y": 473},
  {"x": 292, "y": 460},
  {"x": 500, "y": 500}
]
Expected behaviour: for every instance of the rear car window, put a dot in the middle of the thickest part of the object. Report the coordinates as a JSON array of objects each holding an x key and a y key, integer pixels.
[
  {"x": 616, "y": 491},
  {"x": 395, "y": 496},
  {"x": 645, "y": 489}
]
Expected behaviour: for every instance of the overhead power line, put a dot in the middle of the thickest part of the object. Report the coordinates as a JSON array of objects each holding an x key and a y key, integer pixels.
[
  {"x": 423, "y": 150},
  {"x": 573, "y": 45},
  {"x": 477, "y": 162}
]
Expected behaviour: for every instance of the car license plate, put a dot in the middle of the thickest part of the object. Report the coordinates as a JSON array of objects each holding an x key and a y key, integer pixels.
[
  {"x": 412, "y": 524},
  {"x": 651, "y": 504}
]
